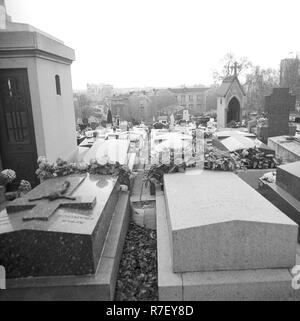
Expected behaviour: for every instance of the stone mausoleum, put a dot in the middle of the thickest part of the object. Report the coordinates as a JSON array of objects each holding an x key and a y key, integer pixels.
[
  {"x": 230, "y": 100},
  {"x": 36, "y": 100}
]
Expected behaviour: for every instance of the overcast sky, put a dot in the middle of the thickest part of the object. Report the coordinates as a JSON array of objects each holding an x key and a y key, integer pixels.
[{"x": 136, "y": 43}]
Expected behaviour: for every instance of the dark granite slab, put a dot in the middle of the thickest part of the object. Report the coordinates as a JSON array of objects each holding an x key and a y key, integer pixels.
[
  {"x": 70, "y": 242},
  {"x": 288, "y": 178},
  {"x": 283, "y": 200},
  {"x": 44, "y": 200},
  {"x": 97, "y": 287}
]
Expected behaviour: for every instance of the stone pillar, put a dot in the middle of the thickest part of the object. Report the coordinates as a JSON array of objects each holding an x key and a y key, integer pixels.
[
  {"x": 3, "y": 16},
  {"x": 221, "y": 112}
]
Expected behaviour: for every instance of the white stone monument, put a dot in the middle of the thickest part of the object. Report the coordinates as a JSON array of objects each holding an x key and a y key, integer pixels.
[{"x": 36, "y": 74}]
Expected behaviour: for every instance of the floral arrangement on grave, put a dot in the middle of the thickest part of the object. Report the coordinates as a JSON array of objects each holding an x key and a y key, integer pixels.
[
  {"x": 23, "y": 188},
  {"x": 7, "y": 176},
  {"x": 257, "y": 159},
  {"x": 251, "y": 158},
  {"x": 216, "y": 159},
  {"x": 61, "y": 167},
  {"x": 156, "y": 173}
]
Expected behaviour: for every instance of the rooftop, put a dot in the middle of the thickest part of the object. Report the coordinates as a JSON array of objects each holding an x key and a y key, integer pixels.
[
  {"x": 185, "y": 90},
  {"x": 226, "y": 84}
]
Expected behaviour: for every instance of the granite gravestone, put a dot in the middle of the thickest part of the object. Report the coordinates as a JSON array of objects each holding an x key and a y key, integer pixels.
[
  {"x": 288, "y": 178},
  {"x": 216, "y": 232},
  {"x": 60, "y": 237},
  {"x": 218, "y": 239},
  {"x": 278, "y": 107}
]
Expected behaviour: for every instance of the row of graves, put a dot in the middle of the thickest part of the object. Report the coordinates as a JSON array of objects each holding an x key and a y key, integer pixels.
[
  {"x": 217, "y": 238},
  {"x": 220, "y": 234},
  {"x": 228, "y": 224}
]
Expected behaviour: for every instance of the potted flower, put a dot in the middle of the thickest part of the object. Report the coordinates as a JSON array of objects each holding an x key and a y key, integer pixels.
[
  {"x": 156, "y": 174},
  {"x": 6, "y": 177}
]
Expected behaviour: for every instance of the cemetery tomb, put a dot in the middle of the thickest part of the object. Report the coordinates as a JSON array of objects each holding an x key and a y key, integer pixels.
[
  {"x": 286, "y": 148},
  {"x": 232, "y": 132},
  {"x": 230, "y": 100},
  {"x": 215, "y": 215},
  {"x": 108, "y": 150},
  {"x": 239, "y": 142},
  {"x": 35, "y": 90},
  {"x": 73, "y": 242},
  {"x": 285, "y": 192},
  {"x": 288, "y": 178},
  {"x": 218, "y": 239},
  {"x": 114, "y": 151}
]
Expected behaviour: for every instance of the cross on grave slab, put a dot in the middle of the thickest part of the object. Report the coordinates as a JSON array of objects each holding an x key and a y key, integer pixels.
[{"x": 42, "y": 209}]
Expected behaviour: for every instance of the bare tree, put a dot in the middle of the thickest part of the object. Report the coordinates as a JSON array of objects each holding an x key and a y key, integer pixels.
[
  {"x": 244, "y": 65},
  {"x": 259, "y": 84}
]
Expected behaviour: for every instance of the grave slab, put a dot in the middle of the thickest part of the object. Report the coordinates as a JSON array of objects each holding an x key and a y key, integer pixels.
[
  {"x": 244, "y": 285},
  {"x": 218, "y": 222},
  {"x": 97, "y": 287},
  {"x": 288, "y": 178},
  {"x": 114, "y": 151},
  {"x": 288, "y": 150},
  {"x": 169, "y": 283},
  {"x": 259, "y": 284},
  {"x": 69, "y": 242}
]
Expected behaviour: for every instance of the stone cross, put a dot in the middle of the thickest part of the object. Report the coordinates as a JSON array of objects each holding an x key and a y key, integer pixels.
[
  {"x": 235, "y": 67},
  {"x": 42, "y": 209}
]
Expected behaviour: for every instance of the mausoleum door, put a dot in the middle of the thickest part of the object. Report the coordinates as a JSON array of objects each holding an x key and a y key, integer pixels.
[
  {"x": 233, "y": 113},
  {"x": 17, "y": 138}
]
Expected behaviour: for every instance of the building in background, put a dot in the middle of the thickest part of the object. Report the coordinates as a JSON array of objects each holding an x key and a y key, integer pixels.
[
  {"x": 149, "y": 104},
  {"x": 193, "y": 99},
  {"x": 99, "y": 92}
]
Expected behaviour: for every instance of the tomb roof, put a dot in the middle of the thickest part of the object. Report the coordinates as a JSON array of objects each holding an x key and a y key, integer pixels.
[{"x": 226, "y": 85}]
